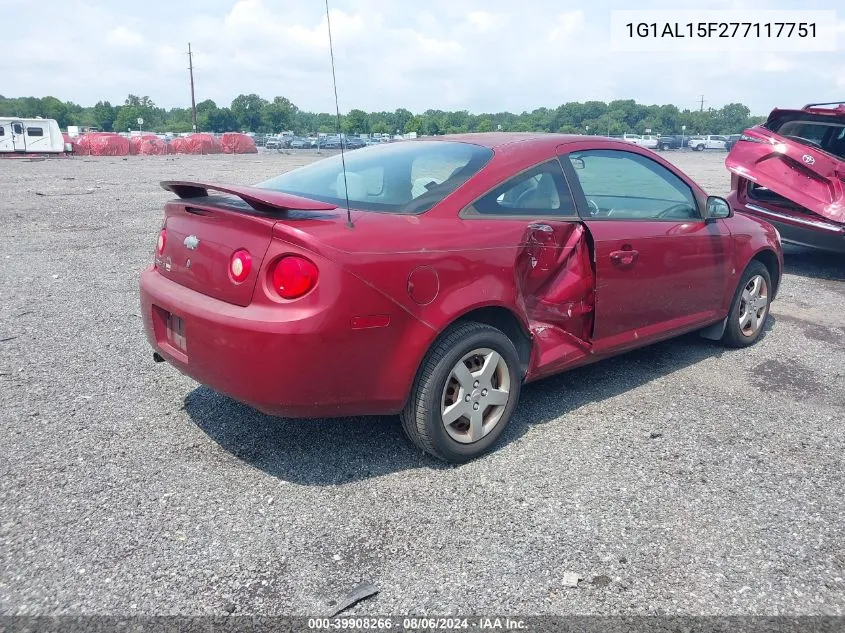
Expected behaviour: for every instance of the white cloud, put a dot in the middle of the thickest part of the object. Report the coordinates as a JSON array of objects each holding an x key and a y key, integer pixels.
[
  {"x": 775, "y": 64},
  {"x": 566, "y": 24},
  {"x": 483, "y": 20},
  {"x": 122, "y": 36}
]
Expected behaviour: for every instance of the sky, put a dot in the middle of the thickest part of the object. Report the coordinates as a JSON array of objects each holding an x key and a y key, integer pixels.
[{"x": 476, "y": 55}]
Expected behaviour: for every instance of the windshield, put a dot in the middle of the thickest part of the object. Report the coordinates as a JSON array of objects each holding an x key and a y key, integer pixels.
[
  {"x": 394, "y": 178},
  {"x": 825, "y": 133}
]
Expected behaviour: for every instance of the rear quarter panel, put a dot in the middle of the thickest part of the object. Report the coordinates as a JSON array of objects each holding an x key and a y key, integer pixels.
[{"x": 436, "y": 266}]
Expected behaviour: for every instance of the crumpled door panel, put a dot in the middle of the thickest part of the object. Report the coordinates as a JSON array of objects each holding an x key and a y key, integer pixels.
[{"x": 556, "y": 286}]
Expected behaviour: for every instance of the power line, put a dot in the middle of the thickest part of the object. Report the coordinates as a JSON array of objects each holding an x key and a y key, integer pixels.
[{"x": 193, "y": 100}]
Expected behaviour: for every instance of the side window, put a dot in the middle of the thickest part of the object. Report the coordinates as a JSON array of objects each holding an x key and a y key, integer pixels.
[
  {"x": 541, "y": 190},
  {"x": 17, "y": 128},
  {"x": 2, "y": 131},
  {"x": 35, "y": 131},
  {"x": 621, "y": 185}
]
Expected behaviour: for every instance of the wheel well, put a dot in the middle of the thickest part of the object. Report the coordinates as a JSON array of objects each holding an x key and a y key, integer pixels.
[
  {"x": 770, "y": 261},
  {"x": 506, "y": 321}
]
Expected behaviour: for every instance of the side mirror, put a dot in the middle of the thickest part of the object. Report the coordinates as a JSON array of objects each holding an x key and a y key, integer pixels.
[
  {"x": 718, "y": 208},
  {"x": 577, "y": 163}
]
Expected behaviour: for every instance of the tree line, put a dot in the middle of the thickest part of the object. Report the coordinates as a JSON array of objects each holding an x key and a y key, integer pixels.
[{"x": 252, "y": 113}]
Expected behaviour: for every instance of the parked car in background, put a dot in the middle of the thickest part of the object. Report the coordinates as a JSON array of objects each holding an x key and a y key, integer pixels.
[
  {"x": 273, "y": 142},
  {"x": 640, "y": 140},
  {"x": 298, "y": 142},
  {"x": 672, "y": 141},
  {"x": 710, "y": 141},
  {"x": 790, "y": 171},
  {"x": 463, "y": 267},
  {"x": 354, "y": 142},
  {"x": 731, "y": 140}
]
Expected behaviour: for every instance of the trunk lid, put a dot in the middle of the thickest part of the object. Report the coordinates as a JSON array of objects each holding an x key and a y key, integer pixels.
[
  {"x": 203, "y": 231},
  {"x": 810, "y": 177}
]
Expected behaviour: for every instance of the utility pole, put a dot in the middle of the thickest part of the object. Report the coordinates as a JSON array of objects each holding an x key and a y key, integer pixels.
[
  {"x": 193, "y": 100},
  {"x": 702, "y": 104}
]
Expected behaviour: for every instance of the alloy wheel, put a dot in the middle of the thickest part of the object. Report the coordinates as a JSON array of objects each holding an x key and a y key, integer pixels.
[
  {"x": 475, "y": 395},
  {"x": 753, "y": 306}
]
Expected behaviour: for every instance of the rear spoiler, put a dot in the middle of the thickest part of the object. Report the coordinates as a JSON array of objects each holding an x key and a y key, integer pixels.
[{"x": 265, "y": 200}]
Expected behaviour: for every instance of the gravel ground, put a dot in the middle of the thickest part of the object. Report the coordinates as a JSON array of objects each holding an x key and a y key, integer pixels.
[{"x": 681, "y": 479}]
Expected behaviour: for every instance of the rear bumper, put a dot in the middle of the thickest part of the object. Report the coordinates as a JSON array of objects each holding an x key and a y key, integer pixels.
[
  {"x": 289, "y": 362},
  {"x": 810, "y": 232}
]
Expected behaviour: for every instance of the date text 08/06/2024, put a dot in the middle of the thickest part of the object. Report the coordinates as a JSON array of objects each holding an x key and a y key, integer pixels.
[
  {"x": 417, "y": 623},
  {"x": 722, "y": 29}
]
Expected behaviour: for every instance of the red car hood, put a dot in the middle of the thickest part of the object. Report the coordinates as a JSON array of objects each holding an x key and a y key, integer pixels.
[{"x": 806, "y": 175}]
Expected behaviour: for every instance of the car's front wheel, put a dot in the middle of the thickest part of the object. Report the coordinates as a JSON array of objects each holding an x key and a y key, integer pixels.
[
  {"x": 665, "y": 147},
  {"x": 464, "y": 394},
  {"x": 750, "y": 307}
]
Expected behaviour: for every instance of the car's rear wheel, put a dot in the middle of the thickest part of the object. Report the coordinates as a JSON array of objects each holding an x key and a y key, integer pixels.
[
  {"x": 750, "y": 307},
  {"x": 665, "y": 146},
  {"x": 464, "y": 394}
]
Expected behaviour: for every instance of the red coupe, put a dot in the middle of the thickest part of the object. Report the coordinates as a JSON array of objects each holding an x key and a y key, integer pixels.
[{"x": 432, "y": 278}]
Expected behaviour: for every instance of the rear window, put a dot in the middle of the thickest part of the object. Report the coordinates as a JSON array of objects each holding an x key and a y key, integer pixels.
[
  {"x": 823, "y": 132},
  {"x": 392, "y": 178}
]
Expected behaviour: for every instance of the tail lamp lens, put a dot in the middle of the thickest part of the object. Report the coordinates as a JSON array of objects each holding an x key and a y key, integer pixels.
[
  {"x": 294, "y": 276},
  {"x": 240, "y": 265},
  {"x": 162, "y": 240}
]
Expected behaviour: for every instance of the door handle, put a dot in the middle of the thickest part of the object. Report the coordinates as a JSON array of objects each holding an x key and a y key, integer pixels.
[{"x": 624, "y": 257}]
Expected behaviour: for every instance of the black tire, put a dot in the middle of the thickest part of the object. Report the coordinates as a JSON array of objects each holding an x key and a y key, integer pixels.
[
  {"x": 665, "y": 147},
  {"x": 422, "y": 418},
  {"x": 699, "y": 148},
  {"x": 734, "y": 335}
]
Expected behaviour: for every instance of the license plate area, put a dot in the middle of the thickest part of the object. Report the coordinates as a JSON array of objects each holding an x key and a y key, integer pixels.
[
  {"x": 176, "y": 332},
  {"x": 170, "y": 334}
]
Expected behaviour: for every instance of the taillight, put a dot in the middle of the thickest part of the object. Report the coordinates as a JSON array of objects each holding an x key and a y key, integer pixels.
[
  {"x": 162, "y": 240},
  {"x": 239, "y": 265},
  {"x": 294, "y": 276}
]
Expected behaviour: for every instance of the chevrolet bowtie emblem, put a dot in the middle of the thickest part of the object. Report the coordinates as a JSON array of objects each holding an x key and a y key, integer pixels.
[{"x": 192, "y": 242}]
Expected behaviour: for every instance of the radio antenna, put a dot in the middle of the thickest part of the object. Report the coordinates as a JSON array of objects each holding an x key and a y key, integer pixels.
[{"x": 337, "y": 109}]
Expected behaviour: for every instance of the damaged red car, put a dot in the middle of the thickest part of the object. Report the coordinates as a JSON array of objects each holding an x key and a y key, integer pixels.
[
  {"x": 432, "y": 278},
  {"x": 790, "y": 171}
]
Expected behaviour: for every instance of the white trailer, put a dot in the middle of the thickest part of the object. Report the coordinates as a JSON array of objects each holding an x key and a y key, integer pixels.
[{"x": 30, "y": 136}]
